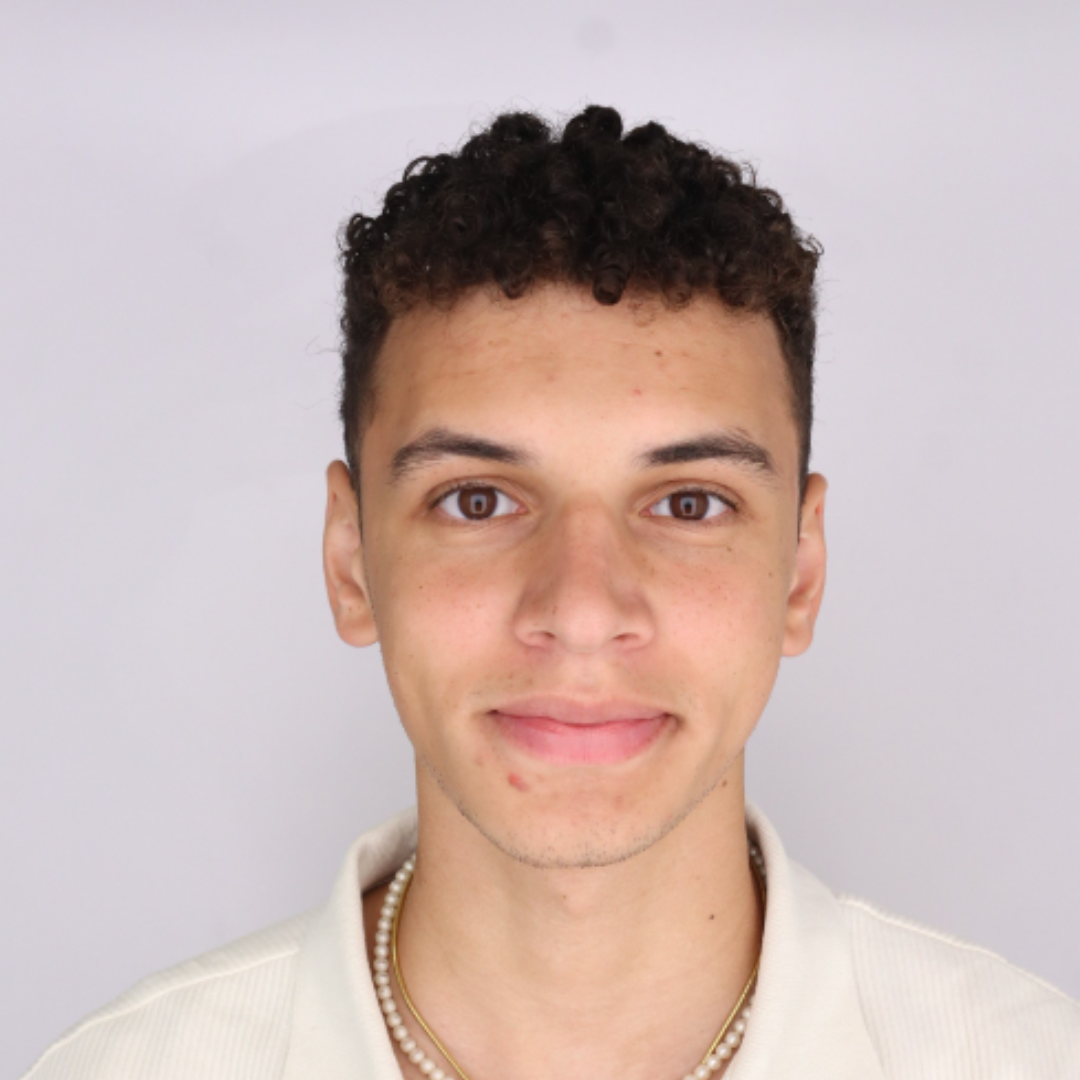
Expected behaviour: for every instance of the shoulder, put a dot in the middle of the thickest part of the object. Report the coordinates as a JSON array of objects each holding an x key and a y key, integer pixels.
[
  {"x": 224, "y": 1013},
  {"x": 937, "y": 1006}
]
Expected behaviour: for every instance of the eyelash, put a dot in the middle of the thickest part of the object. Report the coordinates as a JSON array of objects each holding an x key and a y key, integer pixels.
[
  {"x": 465, "y": 485},
  {"x": 472, "y": 485},
  {"x": 709, "y": 492}
]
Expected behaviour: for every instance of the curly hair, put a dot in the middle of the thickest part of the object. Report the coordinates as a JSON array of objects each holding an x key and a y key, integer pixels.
[{"x": 522, "y": 204}]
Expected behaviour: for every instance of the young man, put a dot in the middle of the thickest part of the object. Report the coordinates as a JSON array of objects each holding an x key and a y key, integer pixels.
[{"x": 577, "y": 516}]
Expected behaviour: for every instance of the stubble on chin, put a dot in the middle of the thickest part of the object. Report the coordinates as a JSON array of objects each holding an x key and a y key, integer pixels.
[{"x": 589, "y": 851}]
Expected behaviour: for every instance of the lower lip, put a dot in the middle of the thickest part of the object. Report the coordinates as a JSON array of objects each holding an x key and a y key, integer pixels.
[{"x": 580, "y": 744}]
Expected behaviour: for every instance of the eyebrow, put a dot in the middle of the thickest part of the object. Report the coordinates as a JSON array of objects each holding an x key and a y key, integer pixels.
[
  {"x": 438, "y": 443},
  {"x": 733, "y": 446}
]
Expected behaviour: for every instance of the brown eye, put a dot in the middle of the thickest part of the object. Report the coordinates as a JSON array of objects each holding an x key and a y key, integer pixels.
[
  {"x": 477, "y": 504},
  {"x": 690, "y": 506}
]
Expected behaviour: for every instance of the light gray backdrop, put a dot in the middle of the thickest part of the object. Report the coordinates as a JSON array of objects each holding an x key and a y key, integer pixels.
[{"x": 188, "y": 749}]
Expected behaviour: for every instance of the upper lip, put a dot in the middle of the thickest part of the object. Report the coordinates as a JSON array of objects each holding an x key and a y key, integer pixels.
[{"x": 571, "y": 711}]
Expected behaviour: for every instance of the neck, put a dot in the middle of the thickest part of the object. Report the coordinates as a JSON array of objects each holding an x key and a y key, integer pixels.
[{"x": 628, "y": 968}]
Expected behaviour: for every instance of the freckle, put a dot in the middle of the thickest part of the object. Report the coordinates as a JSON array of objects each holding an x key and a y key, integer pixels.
[
  {"x": 711, "y": 917},
  {"x": 659, "y": 352},
  {"x": 517, "y": 782}
]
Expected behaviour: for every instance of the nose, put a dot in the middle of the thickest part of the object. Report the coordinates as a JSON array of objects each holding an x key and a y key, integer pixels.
[{"x": 584, "y": 592}]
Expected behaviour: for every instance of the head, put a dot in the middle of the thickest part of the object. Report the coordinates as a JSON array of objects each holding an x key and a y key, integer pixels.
[{"x": 577, "y": 407}]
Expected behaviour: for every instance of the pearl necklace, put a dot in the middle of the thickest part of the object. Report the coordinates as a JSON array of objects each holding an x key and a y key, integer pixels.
[{"x": 720, "y": 1050}]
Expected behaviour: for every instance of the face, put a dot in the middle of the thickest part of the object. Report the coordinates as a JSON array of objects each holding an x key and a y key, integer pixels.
[{"x": 582, "y": 555}]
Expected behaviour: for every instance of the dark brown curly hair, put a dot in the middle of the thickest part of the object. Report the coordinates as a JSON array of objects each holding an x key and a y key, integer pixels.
[{"x": 522, "y": 204}]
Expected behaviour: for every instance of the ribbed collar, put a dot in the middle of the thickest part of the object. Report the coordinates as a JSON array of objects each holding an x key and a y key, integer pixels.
[{"x": 807, "y": 1022}]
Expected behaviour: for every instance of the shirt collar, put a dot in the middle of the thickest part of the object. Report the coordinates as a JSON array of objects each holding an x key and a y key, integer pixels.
[{"x": 807, "y": 1022}]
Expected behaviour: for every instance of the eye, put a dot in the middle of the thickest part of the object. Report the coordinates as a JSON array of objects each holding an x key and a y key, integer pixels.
[
  {"x": 476, "y": 503},
  {"x": 689, "y": 505}
]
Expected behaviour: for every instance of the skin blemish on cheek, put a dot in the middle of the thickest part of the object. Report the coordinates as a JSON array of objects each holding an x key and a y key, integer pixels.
[
  {"x": 517, "y": 783},
  {"x": 637, "y": 391}
]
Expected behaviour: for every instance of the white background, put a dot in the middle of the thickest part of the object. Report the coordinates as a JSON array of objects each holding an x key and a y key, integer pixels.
[{"x": 188, "y": 749}]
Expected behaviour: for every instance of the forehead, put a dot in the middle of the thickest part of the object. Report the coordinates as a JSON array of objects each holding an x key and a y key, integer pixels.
[{"x": 557, "y": 363}]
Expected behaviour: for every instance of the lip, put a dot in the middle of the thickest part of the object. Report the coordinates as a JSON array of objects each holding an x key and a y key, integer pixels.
[{"x": 569, "y": 732}]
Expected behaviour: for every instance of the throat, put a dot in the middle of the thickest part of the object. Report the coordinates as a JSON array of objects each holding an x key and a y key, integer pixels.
[{"x": 513, "y": 991}]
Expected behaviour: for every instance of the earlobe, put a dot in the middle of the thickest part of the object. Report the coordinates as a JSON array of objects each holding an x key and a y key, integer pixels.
[
  {"x": 343, "y": 563},
  {"x": 808, "y": 583}
]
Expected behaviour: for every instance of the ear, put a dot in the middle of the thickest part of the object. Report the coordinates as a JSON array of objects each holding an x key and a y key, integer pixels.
[
  {"x": 808, "y": 580},
  {"x": 343, "y": 561}
]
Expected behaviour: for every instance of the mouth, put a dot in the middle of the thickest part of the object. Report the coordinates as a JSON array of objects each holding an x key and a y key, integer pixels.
[{"x": 566, "y": 732}]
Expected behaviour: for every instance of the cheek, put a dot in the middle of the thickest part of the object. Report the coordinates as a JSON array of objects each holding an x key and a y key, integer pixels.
[
  {"x": 444, "y": 624},
  {"x": 728, "y": 620}
]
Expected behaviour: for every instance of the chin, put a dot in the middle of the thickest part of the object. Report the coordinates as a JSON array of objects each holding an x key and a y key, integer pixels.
[{"x": 572, "y": 831}]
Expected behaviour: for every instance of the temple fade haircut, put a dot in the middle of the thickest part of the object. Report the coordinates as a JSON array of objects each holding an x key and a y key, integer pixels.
[{"x": 523, "y": 204}]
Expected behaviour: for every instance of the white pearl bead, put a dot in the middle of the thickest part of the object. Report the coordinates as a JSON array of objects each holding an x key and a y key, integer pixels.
[{"x": 409, "y": 1047}]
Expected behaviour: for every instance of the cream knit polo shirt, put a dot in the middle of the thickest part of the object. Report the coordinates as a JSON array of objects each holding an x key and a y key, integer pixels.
[{"x": 845, "y": 992}]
